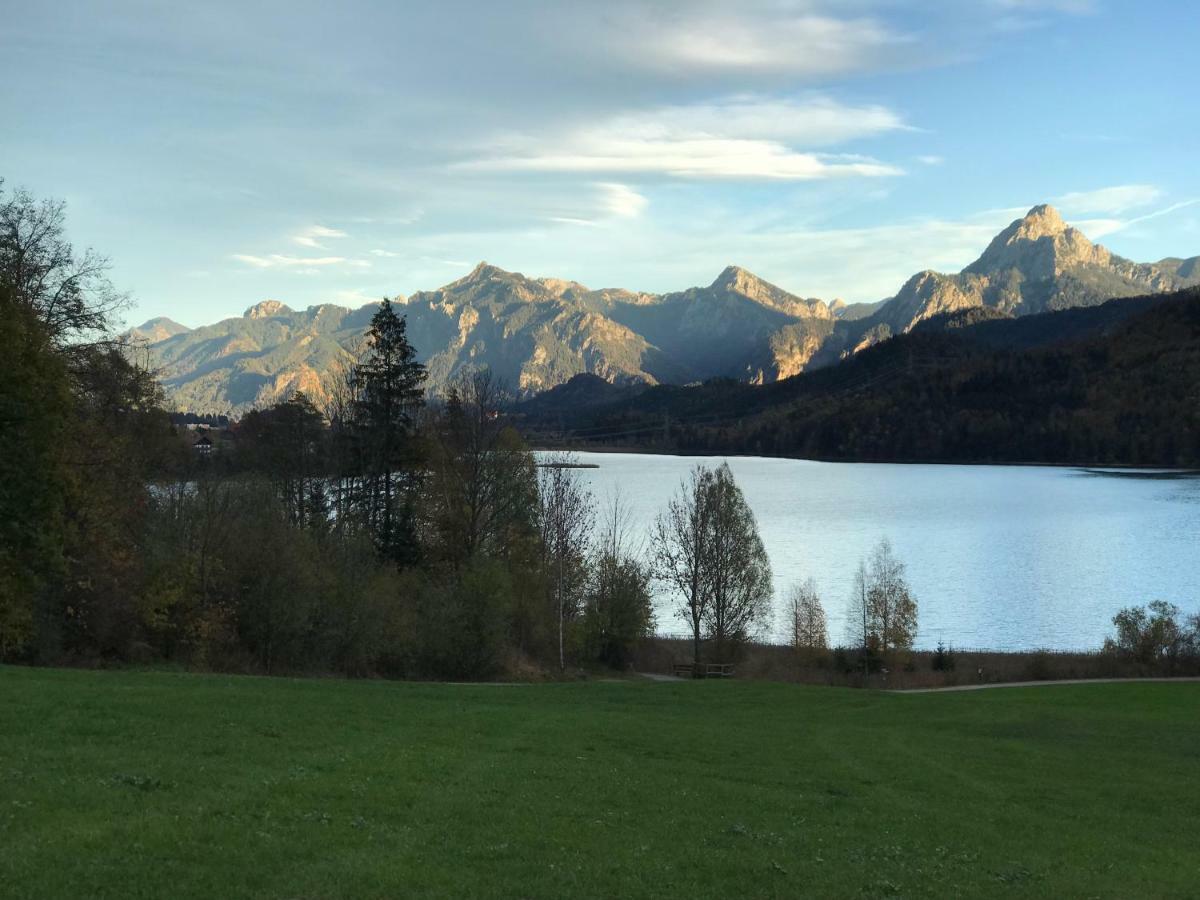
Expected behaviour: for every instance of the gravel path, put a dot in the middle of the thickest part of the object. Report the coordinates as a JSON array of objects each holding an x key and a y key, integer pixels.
[{"x": 1018, "y": 684}]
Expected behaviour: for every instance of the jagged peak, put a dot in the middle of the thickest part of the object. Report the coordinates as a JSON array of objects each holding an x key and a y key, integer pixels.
[
  {"x": 483, "y": 271},
  {"x": 1040, "y": 221},
  {"x": 266, "y": 309},
  {"x": 736, "y": 276}
]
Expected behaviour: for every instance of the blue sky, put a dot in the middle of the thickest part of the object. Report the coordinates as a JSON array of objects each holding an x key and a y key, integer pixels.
[{"x": 224, "y": 153}]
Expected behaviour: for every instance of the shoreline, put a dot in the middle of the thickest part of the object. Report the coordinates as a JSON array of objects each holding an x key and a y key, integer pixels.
[{"x": 1093, "y": 468}]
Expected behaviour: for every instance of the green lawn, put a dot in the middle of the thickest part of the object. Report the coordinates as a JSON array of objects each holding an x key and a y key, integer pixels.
[{"x": 149, "y": 784}]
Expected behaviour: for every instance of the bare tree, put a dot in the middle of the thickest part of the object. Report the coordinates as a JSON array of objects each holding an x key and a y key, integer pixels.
[
  {"x": 738, "y": 571},
  {"x": 858, "y": 618},
  {"x": 70, "y": 294},
  {"x": 566, "y": 514},
  {"x": 809, "y": 631},
  {"x": 679, "y": 548}
]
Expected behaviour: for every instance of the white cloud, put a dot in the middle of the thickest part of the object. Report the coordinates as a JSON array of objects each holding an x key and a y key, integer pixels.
[
  {"x": 931, "y": 159},
  {"x": 620, "y": 200},
  {"x": 280, "y": 261},
  {"x": 1097, "y": 228},
  {"x": 1110, "y": 200},
  {"x": 771, "y": 38},
  {"x": 309, "y": 236},
  {"x": 742, "y": 137},
  {"x": 387, "y": 254}
]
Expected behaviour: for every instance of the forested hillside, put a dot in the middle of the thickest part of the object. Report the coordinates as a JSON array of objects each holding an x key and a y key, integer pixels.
[{"x": 1115, "y": 384}]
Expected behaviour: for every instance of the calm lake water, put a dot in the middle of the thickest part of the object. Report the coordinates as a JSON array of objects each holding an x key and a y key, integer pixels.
[{"x": 999, "y": 557}]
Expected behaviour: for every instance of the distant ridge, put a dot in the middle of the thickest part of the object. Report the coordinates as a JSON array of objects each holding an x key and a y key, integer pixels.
[{"x": 537, "y": 333}]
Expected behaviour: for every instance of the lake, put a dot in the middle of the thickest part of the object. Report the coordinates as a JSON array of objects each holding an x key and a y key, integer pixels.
[{"x": 999, "y": 557}]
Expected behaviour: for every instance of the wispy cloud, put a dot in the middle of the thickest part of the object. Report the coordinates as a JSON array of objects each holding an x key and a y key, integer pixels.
[
  {"x": 280, "y": 261},
  {"x": 620, "y": 200},
  {"x": 1109, "y": 200},
  {"x": 310, "y": 236},
  {"x": 1098, "y": 228},
  {"x": 758, "y": 37},
  {"x": 744, "y": 137},
  {"x": 930, "y": 159}
]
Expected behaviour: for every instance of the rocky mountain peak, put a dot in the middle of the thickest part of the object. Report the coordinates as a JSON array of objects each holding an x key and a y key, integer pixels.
[
  {"x": 1039, "y": 245},
  {"x": 1041, "y": 221},
  {"x": 266, "y": 310},
  {"x": 483, "y": 271},
  {"x": 738, "y": 279}
]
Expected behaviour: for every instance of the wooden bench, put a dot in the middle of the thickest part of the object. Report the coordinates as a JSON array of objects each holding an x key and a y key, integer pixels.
[
  {"x": 683, "y": 670},
  {"x": 718, "y": 670}
]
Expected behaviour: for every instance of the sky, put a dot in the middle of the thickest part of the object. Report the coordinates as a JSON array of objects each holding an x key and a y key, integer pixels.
[{"x": 310, "y": 152}]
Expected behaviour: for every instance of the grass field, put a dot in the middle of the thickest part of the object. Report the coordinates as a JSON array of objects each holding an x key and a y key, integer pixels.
[{"x": 127, "y": 784}]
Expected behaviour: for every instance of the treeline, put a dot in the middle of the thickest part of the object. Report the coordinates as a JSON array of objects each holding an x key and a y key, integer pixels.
[
  {"x": 379, "y": 535},
  {"x": 1124, "y": 394}
]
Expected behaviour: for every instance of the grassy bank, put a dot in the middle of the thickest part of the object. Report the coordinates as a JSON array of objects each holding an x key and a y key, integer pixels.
[{"x": 144, "y": 784}]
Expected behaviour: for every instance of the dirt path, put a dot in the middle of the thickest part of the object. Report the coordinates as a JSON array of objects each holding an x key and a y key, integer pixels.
[{"x": 1019, "y": 684}]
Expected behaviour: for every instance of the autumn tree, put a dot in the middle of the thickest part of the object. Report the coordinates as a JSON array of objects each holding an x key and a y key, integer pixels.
[
  {"x": 807, "y": 617},
  {"x": 737, "y": 570},
  {"x": 883, "y": 610}
]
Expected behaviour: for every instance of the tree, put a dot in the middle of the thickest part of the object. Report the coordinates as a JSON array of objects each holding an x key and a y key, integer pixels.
[
  {"x": 287, "y": 443},
  {"x": 807, "y": 617},
  {"x": 388, "y": 389},
  {"x": 737, "y": 569},
  {"x": 70, "y": 294},
  {"x": 883, "y": 611},
  {"x": 1150, "y": 634},
  {"x": 680, "y": 550},
  {"x": 566, "y": 515},
  {"x": 35, "y": 409},
  {"x": 482, "y": 499},
  {"x": 858, "y": 619},
  {"x": 893, "y": 607},
  {"x": 618, "y": 609}
]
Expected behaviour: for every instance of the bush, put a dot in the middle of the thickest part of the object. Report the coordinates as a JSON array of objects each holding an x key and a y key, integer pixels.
[
  {"x": 618, "y": 611},
  {"x": 1154, "y": 635},
  {"x": 461, "y": 621}
]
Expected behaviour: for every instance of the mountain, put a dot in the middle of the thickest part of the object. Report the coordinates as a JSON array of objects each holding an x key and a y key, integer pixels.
[
  {"x": 1037, "y": 264},
  {"x": 156, "y": 330},
  {"x": 267, "y": 354},
  {"x": 536, "y": 333},
  {"x": 1102, "y": 385}
]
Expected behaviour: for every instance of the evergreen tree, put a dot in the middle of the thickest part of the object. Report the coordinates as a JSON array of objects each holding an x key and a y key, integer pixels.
[{"x": 388, "y": 389}]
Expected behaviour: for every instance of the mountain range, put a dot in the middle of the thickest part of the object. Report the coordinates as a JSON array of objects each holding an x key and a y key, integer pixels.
[{"x": 537, "y": 333}]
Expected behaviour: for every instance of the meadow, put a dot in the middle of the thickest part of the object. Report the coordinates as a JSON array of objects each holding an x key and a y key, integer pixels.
[{"x": 149, "y": 784}]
